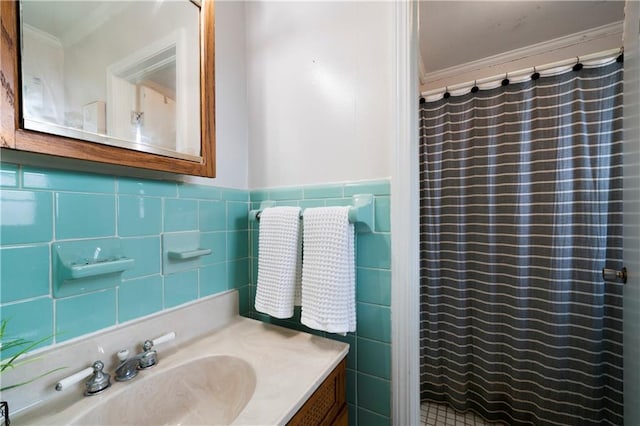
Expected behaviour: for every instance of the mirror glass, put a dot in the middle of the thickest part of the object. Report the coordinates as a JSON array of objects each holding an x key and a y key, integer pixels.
[{"x": 122, "y": 73}]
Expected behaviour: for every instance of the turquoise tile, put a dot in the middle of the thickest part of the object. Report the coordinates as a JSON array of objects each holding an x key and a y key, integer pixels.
[
  {"x": 149, "y": 188},
  {"x": 281, "y": 194},
  {"x": 254, "y": 238},
  {"x": 287, "y": 203},
  {"x": 181, "y": 287},
  {"x": 9, "y": 175},
  {"x": 24, "y": 272},
  {"x": 373, "y": 250},
  {"x": 237, "y": 216},
  {"x": 382, "y": 214},
  {"x": 27, "y": 217},
  {"x": 253, "y": 278},
  {"x": 212, "y": 216},
  {"x": 351, "y": 386},
  {"x": 180, "y": 215},
  {"x": 323, "y": 191},
  {"x": 368, "y": 418},
  {"x": 63, "y": 180},
  {"x": 252, "y": 295},
  {"x": 237, "y": 244},
  {"x": 217, "y": 242},
  {"x": 352, "y": 414},
  {"x": 382, "y": 187},
  {"x": 85, "y": 215},
  {"x": 374, "y": 358},
  {"x": 259, "y": 195},
  {"x": 146, "y": 254},
  {"x": 374, "y": 394},
  {"x": 235, "y": 194},
  {"x": 201, "y": 192},
  {"x": 262, "y": 317},
  {"x": 238, "y": 273},
  {"x": 373, "y": 286},
  {"x": 139, "y": 297},
  {"x": 213, "y": 279},
  {"x": 84, "y": 314},
  {"x": 330, "y": 202},
  {"x": 352, "y": 356},
  {"x": 244, "y": 305},
  {"x": 32, "y": 321},
  {"x": 305, "y": 204},
  {"x": 374, "y": 322},
  {"x": 139, "y": 216}
]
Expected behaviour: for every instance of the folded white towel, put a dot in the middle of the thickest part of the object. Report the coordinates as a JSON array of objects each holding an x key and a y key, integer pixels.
[
  {"x": 279, "y": 264},
  {"x": 328, "y": 270}
]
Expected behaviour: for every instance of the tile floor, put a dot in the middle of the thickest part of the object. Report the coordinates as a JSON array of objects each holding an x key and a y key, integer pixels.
[{"x": 432, "y": 414}]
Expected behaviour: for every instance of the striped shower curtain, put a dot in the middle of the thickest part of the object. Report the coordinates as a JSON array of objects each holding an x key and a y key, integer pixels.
[{"x": 521, "y": 208}]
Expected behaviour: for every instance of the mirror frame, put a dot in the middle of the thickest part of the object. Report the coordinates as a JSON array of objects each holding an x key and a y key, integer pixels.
[{"x": 14, "y": 136}]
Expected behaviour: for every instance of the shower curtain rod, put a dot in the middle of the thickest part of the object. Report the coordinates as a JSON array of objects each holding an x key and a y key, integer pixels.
[{"x": 554, "y": 68}]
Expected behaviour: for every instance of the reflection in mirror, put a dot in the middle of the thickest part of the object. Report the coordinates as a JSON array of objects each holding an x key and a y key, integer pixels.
[{"x": 123, "y": 73}]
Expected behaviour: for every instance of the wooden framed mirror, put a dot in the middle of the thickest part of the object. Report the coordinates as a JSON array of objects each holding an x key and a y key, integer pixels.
[{"x": 86, "y": 141}]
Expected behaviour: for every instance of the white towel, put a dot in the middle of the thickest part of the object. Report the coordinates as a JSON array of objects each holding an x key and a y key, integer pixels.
[
  {"x": 328, "y": 270},
  {"x": 279, "y": 263}
]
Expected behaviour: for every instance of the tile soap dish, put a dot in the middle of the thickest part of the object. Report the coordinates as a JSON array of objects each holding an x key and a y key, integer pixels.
[{"x": 88, "y": 265}]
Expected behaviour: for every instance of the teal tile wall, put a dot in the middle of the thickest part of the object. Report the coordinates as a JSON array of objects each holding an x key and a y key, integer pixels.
[
  {"x": 42, "y": 206},
  {"x": 369, "y": 359}
]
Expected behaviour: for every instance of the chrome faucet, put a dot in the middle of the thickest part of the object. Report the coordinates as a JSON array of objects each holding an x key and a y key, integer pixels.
[
  {"x": 128, "y": 368},
  {"x": 98, "y": 381}
]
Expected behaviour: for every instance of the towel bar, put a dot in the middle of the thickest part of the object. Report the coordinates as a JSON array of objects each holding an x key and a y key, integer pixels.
[{"x": 360, "y": 212}]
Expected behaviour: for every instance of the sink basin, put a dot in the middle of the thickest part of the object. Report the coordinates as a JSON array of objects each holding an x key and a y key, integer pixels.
[
  {"x": 210, "y": 390},
  {"x": 243, "y": 373}
]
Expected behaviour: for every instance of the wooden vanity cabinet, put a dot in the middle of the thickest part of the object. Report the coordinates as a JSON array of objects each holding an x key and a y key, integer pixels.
[{"x": 328, "y": 404}]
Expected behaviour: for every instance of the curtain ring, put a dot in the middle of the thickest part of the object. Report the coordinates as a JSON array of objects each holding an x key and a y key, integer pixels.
[
  {"x": 475, "y": 88},
  {"x": 535, "y": 75},
  {"x": 446, "y": 93},
  {"x": 505, "y": 82},
  {"x": 578, "y": 65}
]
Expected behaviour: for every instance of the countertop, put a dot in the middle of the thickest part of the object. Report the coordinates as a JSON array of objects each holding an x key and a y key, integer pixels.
[{"x": 289, "y": 366}]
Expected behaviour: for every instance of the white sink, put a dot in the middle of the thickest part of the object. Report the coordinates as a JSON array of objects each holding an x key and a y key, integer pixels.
[
  {"x": 246, "y": 373},
  {"x": 211, "y": 390}
]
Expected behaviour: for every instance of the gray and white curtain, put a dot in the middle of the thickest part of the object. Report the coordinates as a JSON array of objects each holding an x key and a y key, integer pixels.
[{"x": 521, "y": 208}]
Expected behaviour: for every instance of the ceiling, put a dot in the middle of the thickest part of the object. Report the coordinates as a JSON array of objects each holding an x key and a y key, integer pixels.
[{"x": 456, "y": 32}]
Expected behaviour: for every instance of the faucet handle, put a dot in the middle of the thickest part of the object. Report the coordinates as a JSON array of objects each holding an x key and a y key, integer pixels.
[
  {"x": 123, "y": 354},
  {"x": 99, "y": 381},
  {"x": 164, "y": 338},
  {"x": 149, "y": 357}
]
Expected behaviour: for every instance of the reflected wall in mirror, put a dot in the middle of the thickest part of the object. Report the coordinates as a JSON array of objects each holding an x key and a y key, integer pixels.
[{"x": 123, "y": 73}]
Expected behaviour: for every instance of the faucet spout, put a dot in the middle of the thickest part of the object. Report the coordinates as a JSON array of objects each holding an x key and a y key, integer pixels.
[{"x": 128, "y": 369}]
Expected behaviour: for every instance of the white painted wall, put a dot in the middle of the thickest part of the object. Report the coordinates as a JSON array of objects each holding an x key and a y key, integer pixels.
[
  {"x": 320, "y": 90},
  {"x": 43, "y": 76},
  {"x": 232, "y": 148},
  {"x": 121, "y": 36}
]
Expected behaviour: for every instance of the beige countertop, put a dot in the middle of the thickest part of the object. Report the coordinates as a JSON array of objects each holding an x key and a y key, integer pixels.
[{"x": 288, "y": 367}]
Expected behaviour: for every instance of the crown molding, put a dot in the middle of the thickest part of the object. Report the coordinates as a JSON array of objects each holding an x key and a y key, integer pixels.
[{"x": 545, "y": 47}]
